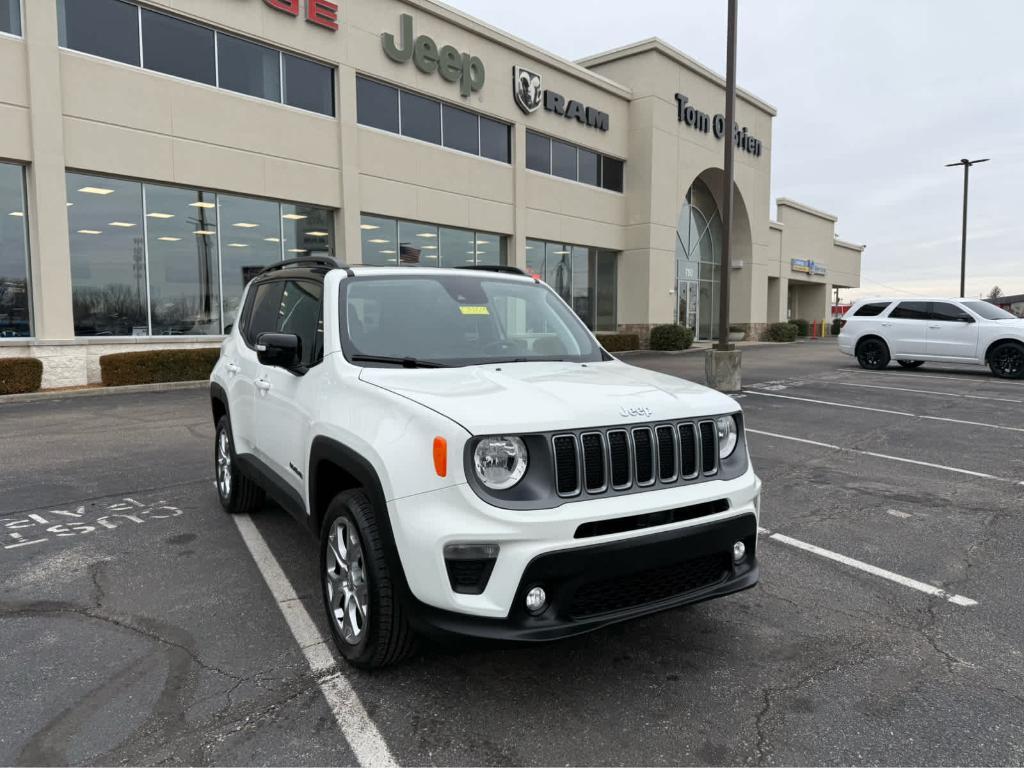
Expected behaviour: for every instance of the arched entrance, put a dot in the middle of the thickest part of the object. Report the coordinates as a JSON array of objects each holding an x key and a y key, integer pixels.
[{"x": 699, "y": 252}]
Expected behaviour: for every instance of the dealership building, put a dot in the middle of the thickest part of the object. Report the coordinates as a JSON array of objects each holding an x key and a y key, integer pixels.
[{"x": 156, "y": 154}]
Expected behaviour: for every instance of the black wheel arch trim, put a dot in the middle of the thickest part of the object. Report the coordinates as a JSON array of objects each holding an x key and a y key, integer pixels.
[
  {"x": 218, "y": 397},
  {"x": 330, "y": 451},
  {"x": 869, "y": 337}
]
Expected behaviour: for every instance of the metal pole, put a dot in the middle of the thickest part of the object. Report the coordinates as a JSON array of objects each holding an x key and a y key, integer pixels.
[
  {"x": 963, "y": 238},
  {"x": 730, "y": 146}
]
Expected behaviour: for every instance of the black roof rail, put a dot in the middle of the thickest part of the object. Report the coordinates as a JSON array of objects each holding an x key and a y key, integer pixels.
[
  {"x": 502, "y": 268},
  {"x": 311, "y": 261}
]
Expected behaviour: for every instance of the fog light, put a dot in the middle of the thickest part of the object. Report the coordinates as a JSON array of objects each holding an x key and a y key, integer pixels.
[
  {"x": 738, "y": 551},
  {"x": 536, "y": 600}
]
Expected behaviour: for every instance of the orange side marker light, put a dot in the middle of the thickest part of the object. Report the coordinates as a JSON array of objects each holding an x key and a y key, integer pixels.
[{"x": 441, "y": 456}]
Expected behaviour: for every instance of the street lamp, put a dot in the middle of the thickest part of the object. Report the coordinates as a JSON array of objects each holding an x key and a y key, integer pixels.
[
  {"x": 730, "y": 145},
  {"x": 963, "y": 237}
]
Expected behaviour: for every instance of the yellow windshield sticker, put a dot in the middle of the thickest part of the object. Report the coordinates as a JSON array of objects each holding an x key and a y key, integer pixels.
[{"x": 474, "y": 310}]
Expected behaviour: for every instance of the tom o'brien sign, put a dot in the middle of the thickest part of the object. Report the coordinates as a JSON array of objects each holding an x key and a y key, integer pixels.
[{"x": 323, "y": 13}]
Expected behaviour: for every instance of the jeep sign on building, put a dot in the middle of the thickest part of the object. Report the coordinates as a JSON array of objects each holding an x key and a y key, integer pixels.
[{"x": 157, "y": 154}]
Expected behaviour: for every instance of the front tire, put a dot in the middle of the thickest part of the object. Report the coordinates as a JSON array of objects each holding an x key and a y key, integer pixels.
[
  {"x": 910, "y": 363},
  {"x": 238, "y": 494},
  {"x": 364, "y": 608},
  {"x": 873, "y": 354},
  {"x": 1007, "y": 360}
]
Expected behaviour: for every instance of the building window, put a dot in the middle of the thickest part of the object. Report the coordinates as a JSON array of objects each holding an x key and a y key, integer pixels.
[
  {"x": 569, "y": 161},
  {"x": 150, "y": 259},
  {"x": 390, "y": 242},
  {"x": 10, "y": 17},
  {"x": 249, "y": 68},
  {"x": 584, "y": 277},
  {"x": 15, "y": 314},
  {"x": 308, "y": 85},
  {"x": 421, "y": 117},
  {"x": 178, "y": 48},
  {"x": 107, "y": 28},
  {"x": 113, "y": 29}
]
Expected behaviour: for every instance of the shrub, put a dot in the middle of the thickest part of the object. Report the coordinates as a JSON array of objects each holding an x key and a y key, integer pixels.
[
  {"x": 20, "y": 374},
  {"x": 781, "y": 332},
  {"x": 619, "y": 342},
  {"x": 670, "y": 337},
  {"x": 159, "y": 365},
  {"x": 836, "y": 326},
  {"x": 737, "y": 328},
  {"x": 802, "y": 327}
]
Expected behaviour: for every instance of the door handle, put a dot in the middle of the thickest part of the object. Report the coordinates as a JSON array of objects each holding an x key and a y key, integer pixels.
[
  {"x": 232, "y": 368},
  {"x": 887, "y": 325},
  {"x": 934, "y": 327},
  {"x": 262, "y": 384}
]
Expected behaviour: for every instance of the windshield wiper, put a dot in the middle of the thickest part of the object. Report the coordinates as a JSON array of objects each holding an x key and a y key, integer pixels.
[{"x": 405, "y": 362}]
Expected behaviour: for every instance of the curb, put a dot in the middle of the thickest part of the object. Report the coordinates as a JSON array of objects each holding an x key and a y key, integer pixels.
[{"x": 32, "y": 397}]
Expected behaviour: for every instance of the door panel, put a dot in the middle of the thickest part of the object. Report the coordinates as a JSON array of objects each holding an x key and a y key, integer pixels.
[
  {"x": 950, "y": 337},
  {"x": 258, "y": 316},
  {"x": 905, "y": 328}
]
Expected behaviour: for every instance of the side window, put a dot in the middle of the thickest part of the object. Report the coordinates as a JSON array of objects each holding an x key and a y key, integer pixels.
[
  {"x": 300, "y": 314},
  {"x": 265, "y": 307},
  {"x": 947, "y": 313},
  {"x": 912, "y": 310},
  {"x": 872, "y": 310}
]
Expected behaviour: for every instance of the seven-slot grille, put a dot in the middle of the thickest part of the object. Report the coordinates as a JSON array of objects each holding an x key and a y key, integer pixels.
[{"x": 620, "y": 459}]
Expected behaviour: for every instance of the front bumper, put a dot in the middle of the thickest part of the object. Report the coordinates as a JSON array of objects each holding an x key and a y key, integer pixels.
[
  {"x": 424, "y": 524},
  {"x": 594, "y": 586}
]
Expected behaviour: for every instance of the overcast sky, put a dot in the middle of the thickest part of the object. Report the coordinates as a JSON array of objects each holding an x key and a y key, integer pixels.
[{"x": 874, "y": 98}]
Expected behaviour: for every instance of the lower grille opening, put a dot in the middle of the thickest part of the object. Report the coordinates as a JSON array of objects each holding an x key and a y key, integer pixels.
[
  {"x": 650, "y": 519},
  {"x": 649, "y": 586},
  {"x": 469, "y": 577}
]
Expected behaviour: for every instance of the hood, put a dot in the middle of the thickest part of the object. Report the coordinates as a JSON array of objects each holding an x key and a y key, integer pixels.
[{"x": 534, "y": 397}]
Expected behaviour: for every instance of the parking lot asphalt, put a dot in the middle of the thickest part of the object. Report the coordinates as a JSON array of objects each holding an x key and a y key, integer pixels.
[{"x": 137, "y": 627}]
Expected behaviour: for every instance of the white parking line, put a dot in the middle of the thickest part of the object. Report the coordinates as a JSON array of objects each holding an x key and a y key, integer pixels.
[
  {"x": 902, "y": 459},
  {"x": 929, "y": 392},
  {"x": 355, "y": 724},
  {"x": 886, "y": 411},
  {"x": 920, "y": 586},
  {"x": 969, "y": 378}
]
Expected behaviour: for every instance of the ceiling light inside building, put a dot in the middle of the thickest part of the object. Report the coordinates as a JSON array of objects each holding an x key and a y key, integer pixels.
[
  {"x": 245, "y": 225},
  {"x": 369, "y": 226},
  {"x": 169, "y": 239},
  {"x": 378, "y": 240},
  {"x": 237, "y": 245},
  {"x": 294, "y": 217},
  {"x": 16, "y": 213},
  {"x": 122, "y": 224},
  {"x": 201, "y": 205},
  {"x": 386, "y": 251},
  {"x": 426, "y": 234},
  {"x": 297, "y": 250},
  {"x": 89, "y": 232},
  {"x": 204, "y": 232},
  {"x": 160, "y": 215},
  {"x": 317, "y": 234},
  {"x": 272, "y": 239},
  {"x": 96, "y": 190},
  {"x": 429, "y": 247}
]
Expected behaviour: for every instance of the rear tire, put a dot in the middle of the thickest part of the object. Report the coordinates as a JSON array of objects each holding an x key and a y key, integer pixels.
[
  {"x": 238, "y": 493},
  {"x": 1006, "y": 360},
  {"x": 873, "y": 354},
  {"x": 364, "y": 606},
  {"x": 910, "y": 363}
]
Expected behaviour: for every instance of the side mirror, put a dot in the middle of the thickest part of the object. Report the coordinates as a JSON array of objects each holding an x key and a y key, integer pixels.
[
  {"x": 283, "y": 350},
  {"x": 965, "y": 318}
]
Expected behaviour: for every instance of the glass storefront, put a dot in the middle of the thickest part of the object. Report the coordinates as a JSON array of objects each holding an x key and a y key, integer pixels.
[
  {"x": 699, "y": 262},
  {"x": 388, "y": 242},
  {"x": 15, "y": 315},
  {"x": 150, "y": 259},
  {"x": 584, "y": 277}
]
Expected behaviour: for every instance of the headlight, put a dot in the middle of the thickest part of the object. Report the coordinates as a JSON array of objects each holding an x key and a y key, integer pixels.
[
  {"x": 500, "y": 462},
  {"x": 728, "y": 435}
]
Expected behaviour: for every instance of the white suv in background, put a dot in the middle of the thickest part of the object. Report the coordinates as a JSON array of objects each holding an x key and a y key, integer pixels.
[
  {"x": 915, "y": 331},
  {"x": 471, "y": 460}
]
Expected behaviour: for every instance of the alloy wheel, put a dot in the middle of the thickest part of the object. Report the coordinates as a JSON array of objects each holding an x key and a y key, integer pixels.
[
  {"x": 871, "y": 353},
  {"x": 346, "y": 581},
  {"x": 224, "y": 464},
  {"x": 1009, "y": 361}
]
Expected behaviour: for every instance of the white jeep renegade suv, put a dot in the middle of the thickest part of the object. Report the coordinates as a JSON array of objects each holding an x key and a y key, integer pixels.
[
  {"x": 471, "y": 459},
  {"x": 916, "y": 331}
]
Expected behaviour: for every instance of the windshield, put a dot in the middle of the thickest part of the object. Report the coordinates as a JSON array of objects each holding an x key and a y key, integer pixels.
[
  {"x": 988, "y": 311},
  {"x": 451, "y": 320}
]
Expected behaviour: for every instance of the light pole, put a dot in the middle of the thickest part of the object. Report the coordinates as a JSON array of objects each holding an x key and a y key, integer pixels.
[
  {"x": 730, "y": 146},
  {"x": 963, "y": 236}
]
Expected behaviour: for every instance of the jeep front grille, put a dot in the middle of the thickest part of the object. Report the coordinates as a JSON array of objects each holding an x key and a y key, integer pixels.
[{"x": 593, "y": 462}]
